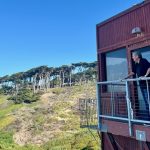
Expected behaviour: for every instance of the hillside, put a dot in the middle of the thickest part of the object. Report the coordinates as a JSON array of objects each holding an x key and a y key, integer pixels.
[{"x": 52, "y": 123}]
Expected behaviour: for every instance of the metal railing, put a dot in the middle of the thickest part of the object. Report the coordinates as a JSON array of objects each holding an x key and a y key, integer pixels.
[
  {"x": 124, "y": 100},
  {"x": 88, "y": 113}
]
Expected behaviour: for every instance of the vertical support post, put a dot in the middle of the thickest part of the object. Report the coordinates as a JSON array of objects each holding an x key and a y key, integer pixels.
[
  {"x": 128, "y": 108},
  {"x": 98, "y": 105},
  {"x": 112, "y": 100},
  {"x": 148, "y": 97}
]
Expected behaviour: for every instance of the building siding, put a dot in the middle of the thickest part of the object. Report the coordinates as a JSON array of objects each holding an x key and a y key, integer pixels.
[{"x": 118, "y": 30}]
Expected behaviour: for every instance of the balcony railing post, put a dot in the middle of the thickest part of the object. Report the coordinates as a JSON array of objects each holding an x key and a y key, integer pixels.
[
  {"x": 148, "y": 97},
  {"x": 98, "y": 104},
  {"x": 112, "y": 99},
  {"x": 128, "y": 108}
]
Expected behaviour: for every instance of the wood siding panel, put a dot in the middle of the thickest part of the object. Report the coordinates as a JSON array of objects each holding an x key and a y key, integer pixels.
[
  {"x": 119, "y": 30},
  {"x": 147, "y": 18}
]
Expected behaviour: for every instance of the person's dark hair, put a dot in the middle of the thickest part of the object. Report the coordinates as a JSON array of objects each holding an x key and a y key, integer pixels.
[{"x": 137, "y": 53}]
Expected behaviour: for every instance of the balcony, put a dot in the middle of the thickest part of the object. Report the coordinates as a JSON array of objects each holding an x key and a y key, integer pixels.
[{"x": 124, "y": 107}]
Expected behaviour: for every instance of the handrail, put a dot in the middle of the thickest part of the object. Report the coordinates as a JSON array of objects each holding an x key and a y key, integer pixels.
[{"x": 124, "y": 80}]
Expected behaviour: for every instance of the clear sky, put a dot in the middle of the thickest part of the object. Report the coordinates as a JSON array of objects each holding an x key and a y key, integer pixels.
[{"x": 51, "y": 32}]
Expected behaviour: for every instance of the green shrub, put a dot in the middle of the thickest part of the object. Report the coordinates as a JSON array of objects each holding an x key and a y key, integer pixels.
[
  {"x": 6, "y": 90},
  {"x": 25, "y": 95}
]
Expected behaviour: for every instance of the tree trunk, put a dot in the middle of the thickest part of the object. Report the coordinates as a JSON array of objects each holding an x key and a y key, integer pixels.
[
  {"x": 70, "y": 77},
  {"x": 63, "y": 78}
]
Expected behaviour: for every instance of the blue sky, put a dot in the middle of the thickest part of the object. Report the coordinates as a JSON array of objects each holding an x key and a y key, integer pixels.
[{"x": 51, "y": 32}]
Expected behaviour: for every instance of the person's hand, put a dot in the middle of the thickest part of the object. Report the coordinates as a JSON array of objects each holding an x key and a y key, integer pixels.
[
  {"x": 121, "y": 80},
  {"x": 146, "y": 75},
  {"x": 142, "y": 77}
]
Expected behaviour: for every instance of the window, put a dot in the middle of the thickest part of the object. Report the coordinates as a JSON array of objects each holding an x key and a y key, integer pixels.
[
  {"x": 116, "y": 66},
  {"x": 146, "y": 52}
]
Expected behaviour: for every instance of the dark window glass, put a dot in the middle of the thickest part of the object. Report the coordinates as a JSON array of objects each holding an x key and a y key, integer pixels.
[
  {"x": 146, "y": 53},
  {"x": 116, "y": 67}
]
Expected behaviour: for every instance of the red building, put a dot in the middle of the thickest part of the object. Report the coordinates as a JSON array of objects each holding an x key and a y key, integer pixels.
[{"x": 123, "y": 121}]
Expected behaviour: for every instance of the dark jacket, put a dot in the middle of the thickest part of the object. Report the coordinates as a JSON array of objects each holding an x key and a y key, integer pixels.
[{"x": 140, "y": 69}]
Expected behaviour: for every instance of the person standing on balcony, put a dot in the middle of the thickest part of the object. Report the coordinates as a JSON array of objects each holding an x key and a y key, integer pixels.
[{"x": 141, "y": 68}]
